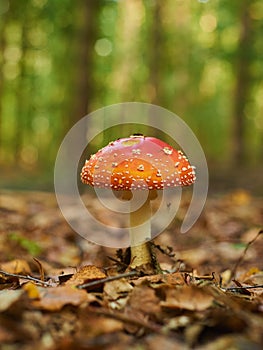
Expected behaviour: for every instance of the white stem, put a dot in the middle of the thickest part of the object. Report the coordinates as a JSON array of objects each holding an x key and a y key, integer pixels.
[{"x": 140, "y": 233}]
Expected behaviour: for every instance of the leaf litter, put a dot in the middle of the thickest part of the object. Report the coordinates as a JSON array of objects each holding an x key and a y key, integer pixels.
[{"x": 57, "y": 291}]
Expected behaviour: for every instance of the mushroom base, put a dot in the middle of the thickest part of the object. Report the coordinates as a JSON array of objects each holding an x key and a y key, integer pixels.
[
  {"x": 140, "y": 234},
  {"x": 140, "y": 227},
  {"x": 140, "y": 255}
]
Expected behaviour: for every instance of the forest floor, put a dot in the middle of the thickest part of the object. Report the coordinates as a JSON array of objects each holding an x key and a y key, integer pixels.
[{"x": 210, "y": 296}]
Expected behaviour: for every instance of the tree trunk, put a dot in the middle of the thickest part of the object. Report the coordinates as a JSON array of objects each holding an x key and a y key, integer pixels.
[
  {"x": 155, "y": 52},
  {"x": 87, "y": 15},
  {"x": 243, "y": 82},
  {"x": 85, "y": 37},
  {"x": 22, "y": 98},
  {"x": 155, "y": 58}
]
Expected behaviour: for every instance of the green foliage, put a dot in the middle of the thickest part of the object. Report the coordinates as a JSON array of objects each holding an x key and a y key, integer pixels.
[
  {"x": 30, "y": 246},
  {"x": 239, "y": 246},
  {"x": 182, "y": 55}
]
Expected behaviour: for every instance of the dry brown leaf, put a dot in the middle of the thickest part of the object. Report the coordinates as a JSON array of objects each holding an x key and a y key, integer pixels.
[
  {"x": 5, "y": 335},
  {"x": 142, "y": 306},
  {"x": 18, "y": 266},
  {"x": 157, "y": 342},
  {"x": 31, "y": 290},
  {"x": 196, "y": 256},
  {"x": 53, "y": 299},
  {"x": 174, "y": 278},
  {"x": 232, "y": 342},
  {"x": 214, "y": 245},
  {"x": 253, "y": 276},
  {"x": 85, "y": 274},
  {"x": 96, "y": 325},
  {"x": 256, "y": 279},
  {"x": 170, "y": 278},
  {"x": 8, "y": 281},
  {"x": 225, "y": 277},
  {"x": 144, "y": 299},
  {"x": 9, "y": 297},
  {"x": 12, "y": 203},
  {"x": 187, "y": 297},
  {"x": 192, "y": 333},
  {"x": 152, "y": 279},
  {"x": 117, "y": 293}
]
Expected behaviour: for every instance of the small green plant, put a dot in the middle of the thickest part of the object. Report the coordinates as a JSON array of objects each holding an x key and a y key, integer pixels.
[{"x": 30, "y": 246}]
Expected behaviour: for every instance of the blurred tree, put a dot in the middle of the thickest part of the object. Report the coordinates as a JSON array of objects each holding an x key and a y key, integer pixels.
[
  {"x": 156, "y": 47},
  {"x": 202, "y": 60},
  {"x": 22, "y": 90},
  {"x": 2, "y": 49},
  {"x": 86, "y": 34},
  {"x": 243, "y": 79},
  {"x": 86, "y": 31}
]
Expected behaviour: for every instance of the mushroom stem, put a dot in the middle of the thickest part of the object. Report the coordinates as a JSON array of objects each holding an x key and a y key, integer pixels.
[{"x": 140, "y": 234}]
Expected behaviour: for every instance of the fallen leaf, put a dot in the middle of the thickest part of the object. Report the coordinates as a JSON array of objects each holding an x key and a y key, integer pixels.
[
  {"x": 195, "y": 256},
  {"x": 5, "y": 335},
  {"x": 53, "y": 299},
  {"x": 157, "y": 342},
  {"x": 226, "y": 277},
  {"x": 256, "y": 279},
  {"x": 230, "y": 342},
  {"x": 85, "y": 274},
  {"x": 152, "y": 279},
  {"x": 253, "y": 276},
  {"x": 32, "y": 290},
  {"x": 144, "y": 299},
  {"x": 18, "y": 266},
  {"x": 8, "y": 281},
  {"x": 155, "y": 280},
  {"x": 117, "y": 293},
  {"x": 174, "y": 278},
  {"x": 98, "y": 325},
  {"x": 9, "y": 297},
  {"x": 192, "y": 333},
  {"x": 187, "y": 297}
]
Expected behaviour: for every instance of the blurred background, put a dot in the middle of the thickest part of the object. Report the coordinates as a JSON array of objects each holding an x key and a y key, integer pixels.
[{"x": 63, "y": 59}]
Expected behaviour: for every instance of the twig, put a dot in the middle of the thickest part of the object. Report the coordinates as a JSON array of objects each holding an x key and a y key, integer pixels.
[
  {"x": 108, "y": 279},
  {"x": 40, "y": 268},
  {"x": 241, "y": 258},
  {"x": 236, "y": 289},
  {"x": 29, "y": 278},
  {"x": 164, "y": 250},
  {"x": 117, "y": 261}
]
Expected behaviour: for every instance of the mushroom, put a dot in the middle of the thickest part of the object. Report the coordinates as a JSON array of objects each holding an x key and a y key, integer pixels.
[{"x": 138, "y": 163}]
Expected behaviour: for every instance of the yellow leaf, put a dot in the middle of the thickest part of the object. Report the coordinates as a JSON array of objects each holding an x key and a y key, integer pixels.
[{"x": 32, "y": 290}]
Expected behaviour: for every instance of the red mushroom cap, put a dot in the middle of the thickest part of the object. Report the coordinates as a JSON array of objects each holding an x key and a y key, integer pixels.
[{"x": 138, "y": 162}]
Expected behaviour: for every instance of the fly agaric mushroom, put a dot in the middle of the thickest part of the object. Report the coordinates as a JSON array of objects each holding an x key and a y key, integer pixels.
[{"x": 138, "y": 163}]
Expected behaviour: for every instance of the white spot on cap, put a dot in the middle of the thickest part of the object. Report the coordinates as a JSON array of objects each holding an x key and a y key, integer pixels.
[
  {"x": 140, "y": 167},
  {"x": 136, "y": 151},
  {"x": 167, "y": 150}
]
